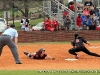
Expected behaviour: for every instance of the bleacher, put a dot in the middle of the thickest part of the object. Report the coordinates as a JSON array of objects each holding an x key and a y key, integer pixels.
[{"x": 47, "y": 7}]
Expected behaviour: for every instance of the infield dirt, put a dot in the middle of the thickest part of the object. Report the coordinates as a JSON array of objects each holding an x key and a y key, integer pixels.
[{"x": 58, "y": 51}]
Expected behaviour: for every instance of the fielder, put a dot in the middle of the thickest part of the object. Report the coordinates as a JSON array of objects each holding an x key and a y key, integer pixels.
[
  {"x": 40, "y": 54},
  {"x": 79, "y": 46}
]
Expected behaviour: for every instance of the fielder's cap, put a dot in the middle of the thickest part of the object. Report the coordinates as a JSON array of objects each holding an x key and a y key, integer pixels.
[
  {"x": 42, "y": 49},
  {"x": 75, "y": 35},
  {"x": 12, "y": 25}
]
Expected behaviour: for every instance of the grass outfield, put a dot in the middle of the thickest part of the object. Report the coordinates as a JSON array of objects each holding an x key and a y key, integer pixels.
[{"x": 31, "y": 72}]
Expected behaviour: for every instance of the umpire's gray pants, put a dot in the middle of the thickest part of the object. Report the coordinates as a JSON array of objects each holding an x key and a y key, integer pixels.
[{"x": 6, "y": 40}]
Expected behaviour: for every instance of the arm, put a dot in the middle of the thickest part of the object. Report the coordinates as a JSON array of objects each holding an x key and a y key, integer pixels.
[
  {"x": 88, "y": 43},
  {"x": 85, "y": 41},
  {"x": 16, "y": 40},
  {"x": 49, "y": 57},
  {"x": 73, "y": 44}
]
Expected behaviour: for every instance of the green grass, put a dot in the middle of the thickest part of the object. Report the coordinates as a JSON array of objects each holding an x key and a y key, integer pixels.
[
  {"x": 66, "y": 42},
  {"x": 32, "y": 72},
  {"x": 44, "y": 43},
  {"x": 32, "y": 22}
]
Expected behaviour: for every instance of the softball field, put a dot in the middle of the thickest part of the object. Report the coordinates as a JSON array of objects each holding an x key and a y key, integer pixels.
[{"x": 56, "y": 50}]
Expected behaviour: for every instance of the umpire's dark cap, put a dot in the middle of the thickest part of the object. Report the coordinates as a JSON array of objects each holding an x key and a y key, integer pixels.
[
  {"x": 12, "y": 25},
  {"x": 75, "y": 35}
]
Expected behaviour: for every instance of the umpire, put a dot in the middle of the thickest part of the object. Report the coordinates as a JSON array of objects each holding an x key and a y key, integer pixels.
[
  {"x": 79, "y": 46},
  {"x": 6, "y": 39}
]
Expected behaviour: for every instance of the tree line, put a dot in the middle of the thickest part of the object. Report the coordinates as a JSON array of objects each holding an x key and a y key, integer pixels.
[{"x": 22, "y": 5}]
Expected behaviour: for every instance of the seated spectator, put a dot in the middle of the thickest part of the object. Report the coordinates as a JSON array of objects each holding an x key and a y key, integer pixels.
[
  {"x": 84, "y": 27},
  {"x": 84, "y": 20},
  {"x": 86, "y": 12},
  {"x": 47, "y": 23},
  {"x": 97, "y": 12},
  {"x": 67, "y": 23},
  {"x": 89, "y": 22},
  {"x": 65, "y": 13},
  {"x": 92, "y": 11},
  {"x": 54, "y": 24},
  {"x": 30, "y": 28},
  {"x": 95, "y": 18},
  {"x": 93, "y": 26}
]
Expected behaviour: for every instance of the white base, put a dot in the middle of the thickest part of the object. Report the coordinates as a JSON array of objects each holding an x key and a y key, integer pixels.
[
  {"x": 94, "y": 47},
  {"x": 71, "y": 59}
]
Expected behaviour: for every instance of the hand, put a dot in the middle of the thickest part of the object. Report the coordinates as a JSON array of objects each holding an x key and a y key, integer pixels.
[
  {"x": 52, "y": 58},
  {"x": 16, "y": 46}
]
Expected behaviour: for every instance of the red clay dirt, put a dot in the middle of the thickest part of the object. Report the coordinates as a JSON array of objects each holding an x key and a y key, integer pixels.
[{"x": 58, "y": 51}]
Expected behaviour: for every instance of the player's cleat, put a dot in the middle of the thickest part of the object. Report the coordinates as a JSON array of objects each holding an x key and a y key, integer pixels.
[
  {"x": 76, "y": 56},
  {"x": 26, "y": 53},
  {"x": 19, "y": 63}
]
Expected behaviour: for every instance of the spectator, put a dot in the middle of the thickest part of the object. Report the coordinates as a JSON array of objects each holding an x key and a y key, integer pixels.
[
  {"x": 93, "y": 26},
  {"x": 84, "y": 21},
  {"x": 24, "y": 23},
  {"x": 67, "y": 23},
  {"x": 30, "y": 28},
  {"x": 89, "y": 22},
  {"x": 79, "y": 21},
  {"x": 8, "y": 26},
  {"x": 54, "y": 24},
  {"x": 88, "y": 3},
  {"x": 47, "y": 24},
  {"x": 95, "y": 18},
  {"x": 97, "y": 12},
  {"x": 71, "y": 6},
  {"x": 65, "y": 13},
  {"x": 86, "y": 12},
  {"x": 92, "y": 11}
]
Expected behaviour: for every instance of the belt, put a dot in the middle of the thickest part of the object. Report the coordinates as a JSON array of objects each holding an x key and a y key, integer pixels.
[{"x": 4, "y": 35}]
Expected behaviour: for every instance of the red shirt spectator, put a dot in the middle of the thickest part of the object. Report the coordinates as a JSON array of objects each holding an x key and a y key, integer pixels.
[
  {"x": 65, "y": 13},
  {"x": 54, "y": 23},
  {"x": 71, "y": 7},
  {"x": 86, "y": 12},
  {"x": 47, "y": 23},
  {"x": 79, "y": 21}
]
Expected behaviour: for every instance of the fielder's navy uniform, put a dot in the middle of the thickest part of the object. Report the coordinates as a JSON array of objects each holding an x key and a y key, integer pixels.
[
  {"x": 6, "y": 39},
  {"x": 78, "y": 44}
]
